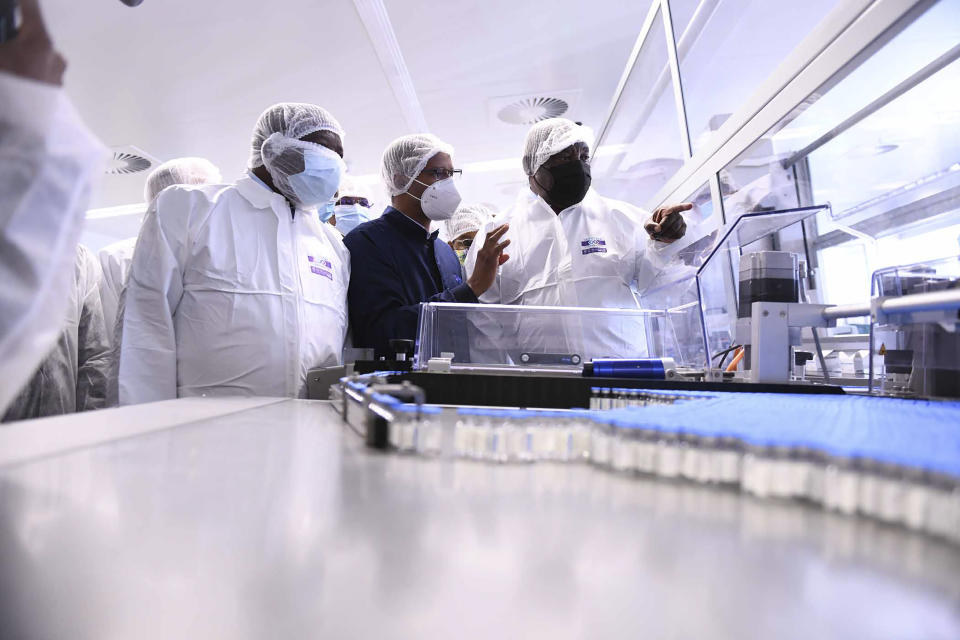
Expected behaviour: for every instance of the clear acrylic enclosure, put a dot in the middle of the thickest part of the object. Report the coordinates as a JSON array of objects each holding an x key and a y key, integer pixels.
[
  {"x": 917, "y": 354},
  {"x": 539, "y": 337},
  {"x": 702, "y": 275}
]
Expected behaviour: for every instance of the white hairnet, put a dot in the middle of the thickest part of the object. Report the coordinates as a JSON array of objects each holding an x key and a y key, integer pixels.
[
  {"x": 549, "y": 137},
  {"x": 350, "y": 186},
  {"x": 293, "y": 120},
  {"x": 180, "y": 171},
  {"x": 406, "y": 157},
  {"x": 469, "y": 217}
]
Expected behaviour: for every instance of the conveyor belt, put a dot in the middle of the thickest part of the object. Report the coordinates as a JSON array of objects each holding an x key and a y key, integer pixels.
[{"x": 891, "y": 459}]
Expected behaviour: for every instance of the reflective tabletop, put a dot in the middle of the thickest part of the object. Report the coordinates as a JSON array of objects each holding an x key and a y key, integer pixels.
[{"x": 270, "y": 519}]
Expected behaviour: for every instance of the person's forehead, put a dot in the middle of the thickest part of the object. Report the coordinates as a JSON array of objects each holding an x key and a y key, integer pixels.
[
  {"x": 440, "y": 160},
  {"x": 467, "y": 234}
]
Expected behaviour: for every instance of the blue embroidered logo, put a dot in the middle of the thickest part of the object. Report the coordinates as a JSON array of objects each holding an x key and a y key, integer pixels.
[
  {"x": 325, "y": 269},
  {"x": 593, "y": 245}
]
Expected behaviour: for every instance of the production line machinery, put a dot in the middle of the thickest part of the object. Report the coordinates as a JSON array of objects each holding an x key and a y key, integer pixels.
[{"x": 507, "y": 384}]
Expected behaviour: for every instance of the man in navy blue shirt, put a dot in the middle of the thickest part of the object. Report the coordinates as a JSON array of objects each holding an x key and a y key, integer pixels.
[{"x": 396, "y": 263}]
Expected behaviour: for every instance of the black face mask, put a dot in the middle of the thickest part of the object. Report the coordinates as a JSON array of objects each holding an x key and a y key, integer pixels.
[{"x": 571, "y": 180}]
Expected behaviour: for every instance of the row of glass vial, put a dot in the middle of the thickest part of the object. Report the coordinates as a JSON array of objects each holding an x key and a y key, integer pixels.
[
  {"x": 848, "y": 485},
  {"x": 838, "y": 483},
  {"x": 607, "y": 398}
]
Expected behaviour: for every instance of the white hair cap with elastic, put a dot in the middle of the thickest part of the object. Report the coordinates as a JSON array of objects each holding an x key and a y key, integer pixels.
[
  {"x": 406, "y": 157},
  {"x": 469, "y": 217},
  {"x": 180, "y": 171},
  {"x": 353, "y": 188},
  {"x": 549, "y": 137},
  {"x": 291, "y": 120}
]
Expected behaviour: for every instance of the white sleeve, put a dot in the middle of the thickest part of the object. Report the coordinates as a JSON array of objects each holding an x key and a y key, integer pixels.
[
  {"x": 93, "y": 346},
  {"x": 109, "y": 290},
  {"x": 147, "y": 356},
  {"x": 491, "y": 295},
  {"x": 48, "y": 163},
  {"x": 652, "y": 256}
]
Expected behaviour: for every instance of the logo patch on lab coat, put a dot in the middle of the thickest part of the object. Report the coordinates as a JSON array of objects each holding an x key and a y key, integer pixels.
[
  {"x": 321, "y": 267},
  {"x": 593, "y": 245}
]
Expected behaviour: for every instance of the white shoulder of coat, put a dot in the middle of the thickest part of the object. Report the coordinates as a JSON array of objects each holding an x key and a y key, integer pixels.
[
  {"x": 335, "y": 238},
  {"x": 87, "y": 269},
  {"x": 182, "y": 205}
]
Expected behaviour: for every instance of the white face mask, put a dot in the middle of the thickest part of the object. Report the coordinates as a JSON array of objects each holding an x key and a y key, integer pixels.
[{"x": 440, "y": 200}]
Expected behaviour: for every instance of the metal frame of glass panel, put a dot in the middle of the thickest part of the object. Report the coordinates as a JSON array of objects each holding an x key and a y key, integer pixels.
[{"x": 851, "y": 32}]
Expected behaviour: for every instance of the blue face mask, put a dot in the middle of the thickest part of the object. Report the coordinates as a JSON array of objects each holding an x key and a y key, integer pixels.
[
  {"x": 349, "y": 216},
  {"x": 320, "y": 178},
  {"x": 326, "y": 211}
]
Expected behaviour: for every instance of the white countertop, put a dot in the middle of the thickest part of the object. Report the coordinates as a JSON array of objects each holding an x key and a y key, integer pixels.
[{"x": 267, "y": 518}]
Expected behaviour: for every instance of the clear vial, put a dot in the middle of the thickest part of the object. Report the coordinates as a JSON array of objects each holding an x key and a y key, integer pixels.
[
  {"x": 622, "y": 458},
  {"x": 497, "y": 449},
  {"x": 668, "y": 456},
  {"x": 600, "y": 445},
  {"x": 462, "y": 432},
  {"x": 580, "y": 437},
  {"x": 430, "y": 433}
]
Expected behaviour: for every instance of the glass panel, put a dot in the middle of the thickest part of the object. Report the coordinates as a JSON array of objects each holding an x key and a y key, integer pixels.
[
  {"x": 642, "y": 147},
  {"x": 880, "y": 142},
  {"x": 540, "y": 337},
  {"x": 719, "y": 279},
  {"x": 675, "y": 288},
  {"x": 917, "y": 354},
  {"x": 706, "y": 272},
  {"x": 727, "y": 48},
  {"x": 856, "y": 259}
]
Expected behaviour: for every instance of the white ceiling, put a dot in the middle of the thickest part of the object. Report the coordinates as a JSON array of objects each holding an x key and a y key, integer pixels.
[{"x": 190, "y": 77}]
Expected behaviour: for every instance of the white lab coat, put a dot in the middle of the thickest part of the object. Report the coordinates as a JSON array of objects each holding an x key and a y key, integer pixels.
[
  {"x": 115, "y": 262},
  {"x": 73, "y": 377},
  {"x": 230, "y": 294},
  {"x": 593, "y": 254},
  {"x": 48, "y": 162}
]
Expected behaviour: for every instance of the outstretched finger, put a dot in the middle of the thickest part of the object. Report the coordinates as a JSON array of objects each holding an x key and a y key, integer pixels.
[
  {"x": 677, "y": 208},
  {"x": 494, "y": 236},
  {"x": 500, "y": 247}
]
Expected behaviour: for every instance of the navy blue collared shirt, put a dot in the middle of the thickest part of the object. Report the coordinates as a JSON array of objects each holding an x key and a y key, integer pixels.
[{"x": 394, "y": 266}]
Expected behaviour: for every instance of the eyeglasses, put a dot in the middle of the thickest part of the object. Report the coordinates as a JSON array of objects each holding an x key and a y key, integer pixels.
[
  {"x": 443, "y": 174},
  {"x": 363, "y": 202}
]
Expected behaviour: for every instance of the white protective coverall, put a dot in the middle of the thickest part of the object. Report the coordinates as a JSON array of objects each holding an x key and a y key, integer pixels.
[
  {"x": 48, "y": 162},
  {"x": 73, "y": 377},
  {"x": 593, "y": 254},
  {"x": 230, "y": 293},
  {"x": 115, "y": 262}
]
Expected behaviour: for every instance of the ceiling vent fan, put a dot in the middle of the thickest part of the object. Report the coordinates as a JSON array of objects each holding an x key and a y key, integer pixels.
[
  {"x": 531, "y": 108},
  {"x": 129, "y": 160}
]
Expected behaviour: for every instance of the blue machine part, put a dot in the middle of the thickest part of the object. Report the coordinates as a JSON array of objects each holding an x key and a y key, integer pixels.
[{"x": 640, "y": 368}]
